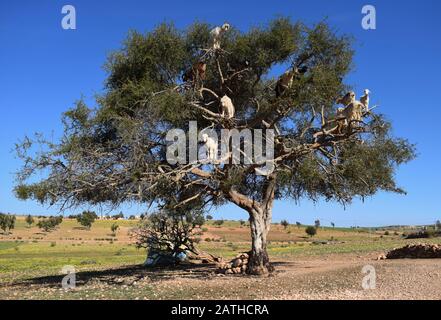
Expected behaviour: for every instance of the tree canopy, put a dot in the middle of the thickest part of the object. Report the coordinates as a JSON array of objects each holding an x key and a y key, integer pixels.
[{"x": 116, "y": 152}]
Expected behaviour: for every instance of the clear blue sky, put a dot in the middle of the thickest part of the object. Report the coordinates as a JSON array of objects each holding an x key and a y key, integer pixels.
[{"x": 44, "y": 69}]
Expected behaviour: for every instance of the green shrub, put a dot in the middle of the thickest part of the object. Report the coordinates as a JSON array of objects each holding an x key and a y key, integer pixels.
[
  {"x": 29, "y": 220},
  {"x": 7, "y": 222},
  {"x": 50, "y": 224},
  {"x": 114, "y": 228},
  {"x": 87, "y": 218},
  {"x": 311, "y": 231}
]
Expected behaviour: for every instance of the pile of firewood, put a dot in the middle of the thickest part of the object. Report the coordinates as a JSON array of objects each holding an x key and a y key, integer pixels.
[
  {"x": 415, "y": 251},
  {"x": 236, "y": 266}
]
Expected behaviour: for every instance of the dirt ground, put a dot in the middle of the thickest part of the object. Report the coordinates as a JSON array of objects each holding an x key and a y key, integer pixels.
[
  {"x": 328, "y": 266},
  {"x": 327, "y": 277}
]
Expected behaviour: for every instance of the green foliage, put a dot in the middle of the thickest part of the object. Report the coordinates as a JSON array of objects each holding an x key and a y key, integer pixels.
[
  {"x": 7, "y": 222},
  {"x": 218, "y": 223},
  {"x": 209, "y": 217},
  {"x": 114, "y": 228},
  {"x": 29, "y": 220},
  {"x": 284, "y": 223},
  {"x": 311, "y": 231},
  {"x": 50, "y": 224},
  {"x": 117, "y": 152},
  {"x": 87, "y": 218}
]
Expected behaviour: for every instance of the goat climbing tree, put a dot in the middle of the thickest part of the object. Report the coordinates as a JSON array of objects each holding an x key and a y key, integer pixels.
[{"x": 116, "y": 152}]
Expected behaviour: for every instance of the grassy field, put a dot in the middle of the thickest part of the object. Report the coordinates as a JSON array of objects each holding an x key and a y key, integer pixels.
[{"x": 29, "y": 254}]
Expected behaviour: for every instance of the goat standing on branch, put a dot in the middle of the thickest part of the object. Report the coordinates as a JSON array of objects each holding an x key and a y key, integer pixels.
[
  {"x": 286, "y": 80},
  {"x": 216, "y": 36},
  {"x": 195, "y": 73},
  {"x": 227, "y": 107}
]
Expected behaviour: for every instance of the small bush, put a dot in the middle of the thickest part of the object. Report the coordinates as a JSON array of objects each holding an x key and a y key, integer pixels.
[
  {"x": 87, "y": 218},
  {"x": 218, "y": 223},
  {"x": 114, "y": 228},
  {"x": 311, "y": 231},
  {"x": 50, "y": 224},
  {"x": 7, "y": 222},
  {"x": 29, "y": 220}
]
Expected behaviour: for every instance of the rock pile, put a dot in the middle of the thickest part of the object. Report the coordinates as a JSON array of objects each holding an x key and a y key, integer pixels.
[
  {"x": 416, "y": 251},
  {"x": 236, "y": 266}
]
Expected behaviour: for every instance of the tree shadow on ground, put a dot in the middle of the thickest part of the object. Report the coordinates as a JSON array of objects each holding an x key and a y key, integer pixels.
[{"x": 127, "y": 275}]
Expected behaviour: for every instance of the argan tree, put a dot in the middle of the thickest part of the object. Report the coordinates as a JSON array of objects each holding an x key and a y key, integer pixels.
[
  {"x": 116, "y": 152},
  {"x": 87, "y": 218}
]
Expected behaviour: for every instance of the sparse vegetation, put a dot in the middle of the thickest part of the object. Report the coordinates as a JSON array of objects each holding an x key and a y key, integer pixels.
[
  {"x": 87, "y": 218},
  {"x": 29, "y": 220},
  {"x": 169, "y": 231},
  {"x": 50, "y": 224},
  {"x": 37, "y": 256},
  {"x": 311, "y": 231},
  {"x": 7, "y": 222},
  {"x": 218, "y": 223},
  {"x": 114, "y": 228}
]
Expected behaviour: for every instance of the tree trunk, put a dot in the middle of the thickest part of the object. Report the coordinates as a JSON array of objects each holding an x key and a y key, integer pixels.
[{"x": 260, "y": 222}]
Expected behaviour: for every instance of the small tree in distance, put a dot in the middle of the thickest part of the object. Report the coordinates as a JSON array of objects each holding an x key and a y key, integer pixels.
[
  {"x": 218, "y": 223},
  {"x": 284, "y": 223},
  {"x": 7, "y": 222},
  {"x": 298, "y": 224},
  {"x": 317, "y": 223},
  {"x": 87, "y": 218},
  {"x": 114, "y": 228},
  {"x": 333, "y": 225},
  {"x": 29, "y": 220},
  {"x": 311, "y": 231},
  {"x": 50, "y": 224}
]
